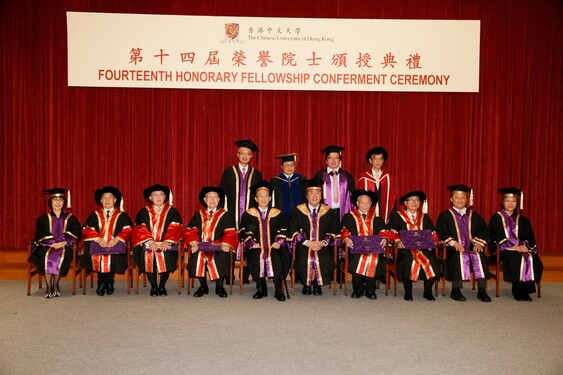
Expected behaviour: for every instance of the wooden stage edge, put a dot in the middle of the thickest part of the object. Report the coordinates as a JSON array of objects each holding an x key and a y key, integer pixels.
[{"x": 13, "y": 263}]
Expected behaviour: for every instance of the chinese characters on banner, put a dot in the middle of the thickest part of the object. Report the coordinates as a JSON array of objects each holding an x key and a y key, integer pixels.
[{"x": 130, "y": 50}]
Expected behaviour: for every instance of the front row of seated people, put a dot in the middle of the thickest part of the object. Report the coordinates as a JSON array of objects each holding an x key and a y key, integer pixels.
[{"x": 313, "y": 230}]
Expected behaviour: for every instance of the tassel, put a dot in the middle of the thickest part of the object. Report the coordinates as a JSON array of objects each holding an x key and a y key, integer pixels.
[
  {"x": 377, "y": 209},
  {"x": 121, "y": 204},
  {"x": 425, "y": 207},
  {"x": 273, "y": 198},
  {"x": 171, "y": 197},
  {"x": 68, "y": 204},
  {"x": 521, "y": 200},
  {"x": 225, "y": 204},
  {"x": 471, "y": 198}
]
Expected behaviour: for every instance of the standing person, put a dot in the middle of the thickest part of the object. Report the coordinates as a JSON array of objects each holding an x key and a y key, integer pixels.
[
  {"x": 314, "y": 230},
  {"x": 55, "y": 234},
  {"x": 338, "y": 184},
  {"x": 263, "y": 233},
  {"x": 211, "y": 224},
  {"x": 363, "y": 221},
  {"x": 415, "y": 264},
  {"x": 518, "y": 249},
  {"x": 465, "y": 234},
  {"x": 287, "y": 186},
  {"x": 158, "y": 228},
  {"x": 236, "y": 182},
  {"x": 105, "y": 235},
  {"x": 379, "y": 181}
]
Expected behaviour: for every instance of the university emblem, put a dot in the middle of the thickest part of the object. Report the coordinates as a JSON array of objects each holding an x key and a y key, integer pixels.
[{"x": 231, "y": 30}]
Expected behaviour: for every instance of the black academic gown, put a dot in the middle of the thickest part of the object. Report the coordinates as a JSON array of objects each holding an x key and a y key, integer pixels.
[
  {"x": 44, "y": 236},
  {"x": 230, "y": 183},
  {"x": 287, "y": 193},
  {"x": 351, "y": 223},
  {"x": 512, "y": 260},
  {"x": 118, "y": 262},
  {"x": 405, "y": 258},
  {"x": 224, "y": 228},
  {"x": 300, "y": 229},
  {"x": 171, "y": 232},
  {"x": 448, "y": 230}
]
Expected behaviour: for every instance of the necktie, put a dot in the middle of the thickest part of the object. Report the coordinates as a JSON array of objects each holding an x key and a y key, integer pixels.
[
  {"x": 364, "y": 216},
  {"x": 263, "y": 214},
  {"x": 314, "y": 213},
  {"x": 211, "y": 213},
  {"x": 335, "y": 187},
  {"x": 244, "y": 171},
  {"x": 107, "y": 214}
]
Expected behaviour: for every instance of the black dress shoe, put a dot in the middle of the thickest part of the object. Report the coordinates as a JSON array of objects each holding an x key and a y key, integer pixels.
[
  {"x": 221, "y": 292},
  {"x": 371, "y": 295},
  {"x": 457, "y": 296},
  {"x": 526, "y": 297},
  {"x": 162, "y": 291},
  {"x": 245, "y": 281},
  {"x": 201, "y": 291},
  {"x": 317, "y": 291},
  {"x": 101, "y": 290},
  {"x": 57, "y": 292},
  {"x": 154, "y": 291},
  {"x": 429, "y": 296},
  {"x": 306, "y": 290},
  {"x": 258, "y": 294},
  {"x": 279, "y": 295},
  {"x": 483, "y": 296},
  {"x": 356, "y": 294},
  {"x": 408, "y": 296},
  {"x": 110, "y": 289}
]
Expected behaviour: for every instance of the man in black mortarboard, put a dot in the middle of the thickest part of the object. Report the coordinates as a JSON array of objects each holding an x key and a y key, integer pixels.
[
  {"x": 236, "y": 182},
  {"x": 465, "y": 234},
  {"x": 287, "y": 186}
]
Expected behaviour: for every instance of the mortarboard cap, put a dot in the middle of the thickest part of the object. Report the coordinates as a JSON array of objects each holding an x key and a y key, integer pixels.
[
  {"x": 212, "y": 189},
  {"x": 108, "y": 189},
  {"x": 248, "y": 144},
  {"x": 287, "y": 157},
  {"x": 313, "y": 183},
  {"x": 358, "y": 193},
  {"x": 330, "y": 149},
  {"x": 59, "y": 192},
  {"x": 165, "y": 189},
  {"x": 260, "y": 186},
  {"x": 416, "y": 193},
  {"x": 513, "y": 192}
]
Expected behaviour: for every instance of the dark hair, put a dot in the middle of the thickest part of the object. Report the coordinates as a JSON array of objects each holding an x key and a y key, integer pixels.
[{"x": 50, "y": 203}]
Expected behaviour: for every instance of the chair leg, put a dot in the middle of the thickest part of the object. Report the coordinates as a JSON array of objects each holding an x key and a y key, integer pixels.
[
  {"x": 83, "y": 277},
  {"x": 240, "y": 274}
]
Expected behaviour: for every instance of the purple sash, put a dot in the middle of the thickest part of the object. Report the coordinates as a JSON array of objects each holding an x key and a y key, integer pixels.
[
  {"x": 242, "y": 191},
  {"x": 119, "y": 248},
  {"x": 53, "y": 260},
  {"x": 467, "y": 257},
  {"x": 511, "y": 232},
  {"x": 54, "y": 257},
  {"x": 266, "y": 269},
  {"x": 344, "y": 197}
]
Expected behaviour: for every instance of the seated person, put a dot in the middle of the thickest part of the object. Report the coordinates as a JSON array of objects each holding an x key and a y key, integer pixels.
[
  {"x": 414, "y": 264},
  {"x": 465, "y": 234},
  {"x": 518, "y": 250},
  {"x": 314, "y": 229},
  {"x": 262, "y": 232},
  {"x": 158, "y": 229},
  {"x": 105, "y": 236},
  {"x": 55, "y": 234},
  {"x": 363, "y": 221},
  {"x": 213, "y": 224}
]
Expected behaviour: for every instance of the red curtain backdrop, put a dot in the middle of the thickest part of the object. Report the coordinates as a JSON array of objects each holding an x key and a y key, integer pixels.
[{"x": 509, "y": 133}]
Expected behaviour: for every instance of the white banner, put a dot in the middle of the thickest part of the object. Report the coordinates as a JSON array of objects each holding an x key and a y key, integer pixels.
[{"x": 167, "y": 51}]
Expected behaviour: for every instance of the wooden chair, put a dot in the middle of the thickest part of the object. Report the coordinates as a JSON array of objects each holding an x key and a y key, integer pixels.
[
  {"x": 128, "y": 273},
  {"x": 391, "y": 268},
  {"x": 292, "y": 273},
  {"x": 73, "y": 271},
  {"x": 496, "y": 275},
  {"x": 240, "y": 264},
  {"x": 179, "y": 265}
]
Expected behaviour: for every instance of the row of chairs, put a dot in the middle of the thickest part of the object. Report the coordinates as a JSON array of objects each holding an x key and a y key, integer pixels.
[{"x": 80, "y": 275}]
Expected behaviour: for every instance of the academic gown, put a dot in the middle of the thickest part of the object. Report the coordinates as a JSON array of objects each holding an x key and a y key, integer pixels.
[
  {"x": 405, "y": 261},
  {"x": 231, "y": 181},
  {"x": 385, "y": 193},
  {"x": 265, "y": 261},
  {"x": 519, "y": 232},
  {"x": 217, "y": 228},
  {"x": 287, "y": 193},
  {"x": 346, "y": 188},
  {"x": 353, "y": 224},
  {"x": 166, "y": 227},
  {"x": 458, "y": 265},
  {"x": 118, "y": 226},
  {"x": 48, "y": 230},
  {"x": 302, "y": 227}
]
